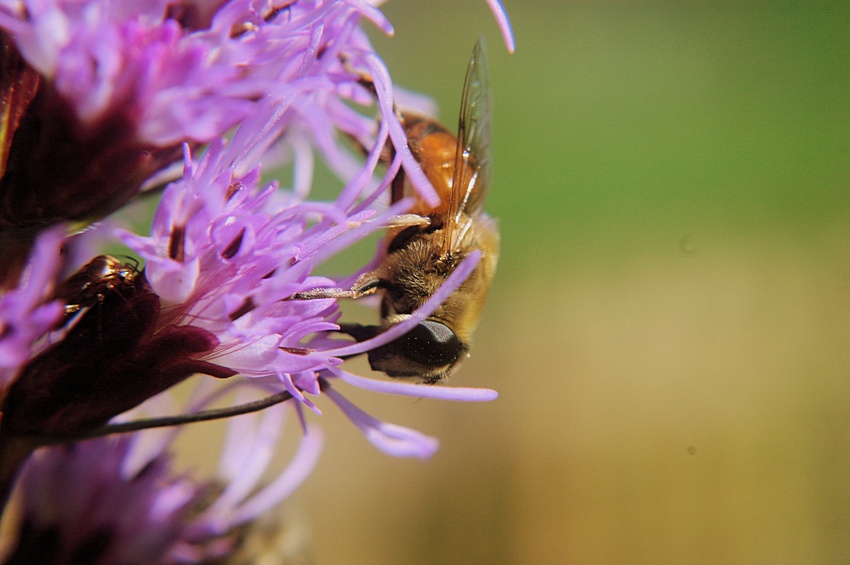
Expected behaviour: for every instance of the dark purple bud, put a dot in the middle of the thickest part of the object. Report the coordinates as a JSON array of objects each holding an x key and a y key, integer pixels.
[
  {"x": 113, "y": 359},
  {"x": 60, "y": 169}
]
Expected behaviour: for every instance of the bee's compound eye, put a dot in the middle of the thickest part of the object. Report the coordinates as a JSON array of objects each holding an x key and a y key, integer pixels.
[{"x": 430, "y": 343}]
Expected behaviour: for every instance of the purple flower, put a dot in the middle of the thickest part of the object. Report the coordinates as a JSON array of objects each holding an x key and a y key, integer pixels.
[
  {"x": 121, "y": 500},
  {"x": 177, "y": 71},
  {"x": 101, "y": 97},
  {"x": 122, "y": 85},
  {"x": 118, "y": 87},
  {"x": 107, "y": 514}
]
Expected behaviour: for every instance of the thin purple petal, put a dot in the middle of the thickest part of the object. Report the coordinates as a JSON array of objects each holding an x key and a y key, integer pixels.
[
  {"x": 457, "y": 394},
  {"x": 394, "y": 440},
  {"x": 299, "y": 468},
  {"x": 504, "y": 23}
]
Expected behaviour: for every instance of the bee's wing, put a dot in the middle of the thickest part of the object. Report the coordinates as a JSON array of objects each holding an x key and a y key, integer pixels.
[{"x": 472, "y": 161}]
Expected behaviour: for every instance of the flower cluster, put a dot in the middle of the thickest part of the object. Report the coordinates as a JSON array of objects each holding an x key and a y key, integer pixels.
[{"x": 109, "y": 104}]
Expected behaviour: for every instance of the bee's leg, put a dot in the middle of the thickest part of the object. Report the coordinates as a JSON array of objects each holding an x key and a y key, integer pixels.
[
  {"x": 397, "y": 186},
  {"x": 387, "y": 153},
  {"x": 365, "y": 285},
  {"x": 359, "y": 332},
  {"x": 401, "y": 221},
  {"x": 364, "y": 79}
]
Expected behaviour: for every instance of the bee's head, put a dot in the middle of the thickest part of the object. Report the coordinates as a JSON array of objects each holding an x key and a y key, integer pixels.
[{"x": 430, "y": 351}]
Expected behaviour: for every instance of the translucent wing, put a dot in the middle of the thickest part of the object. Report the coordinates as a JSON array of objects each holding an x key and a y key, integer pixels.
[{"x": 472, "y": 162}]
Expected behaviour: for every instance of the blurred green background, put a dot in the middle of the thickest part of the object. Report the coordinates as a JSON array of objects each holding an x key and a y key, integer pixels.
[{"x": 670, "y": 326}]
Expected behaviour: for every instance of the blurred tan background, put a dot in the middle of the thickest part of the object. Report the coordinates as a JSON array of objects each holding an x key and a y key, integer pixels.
[{"x": 670, "y": 327}]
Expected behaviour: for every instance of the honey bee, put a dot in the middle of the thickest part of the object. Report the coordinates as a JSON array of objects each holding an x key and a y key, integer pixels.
[
  {"x": 417, "y": 259},
  {"x": 90, "y": 285}
]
